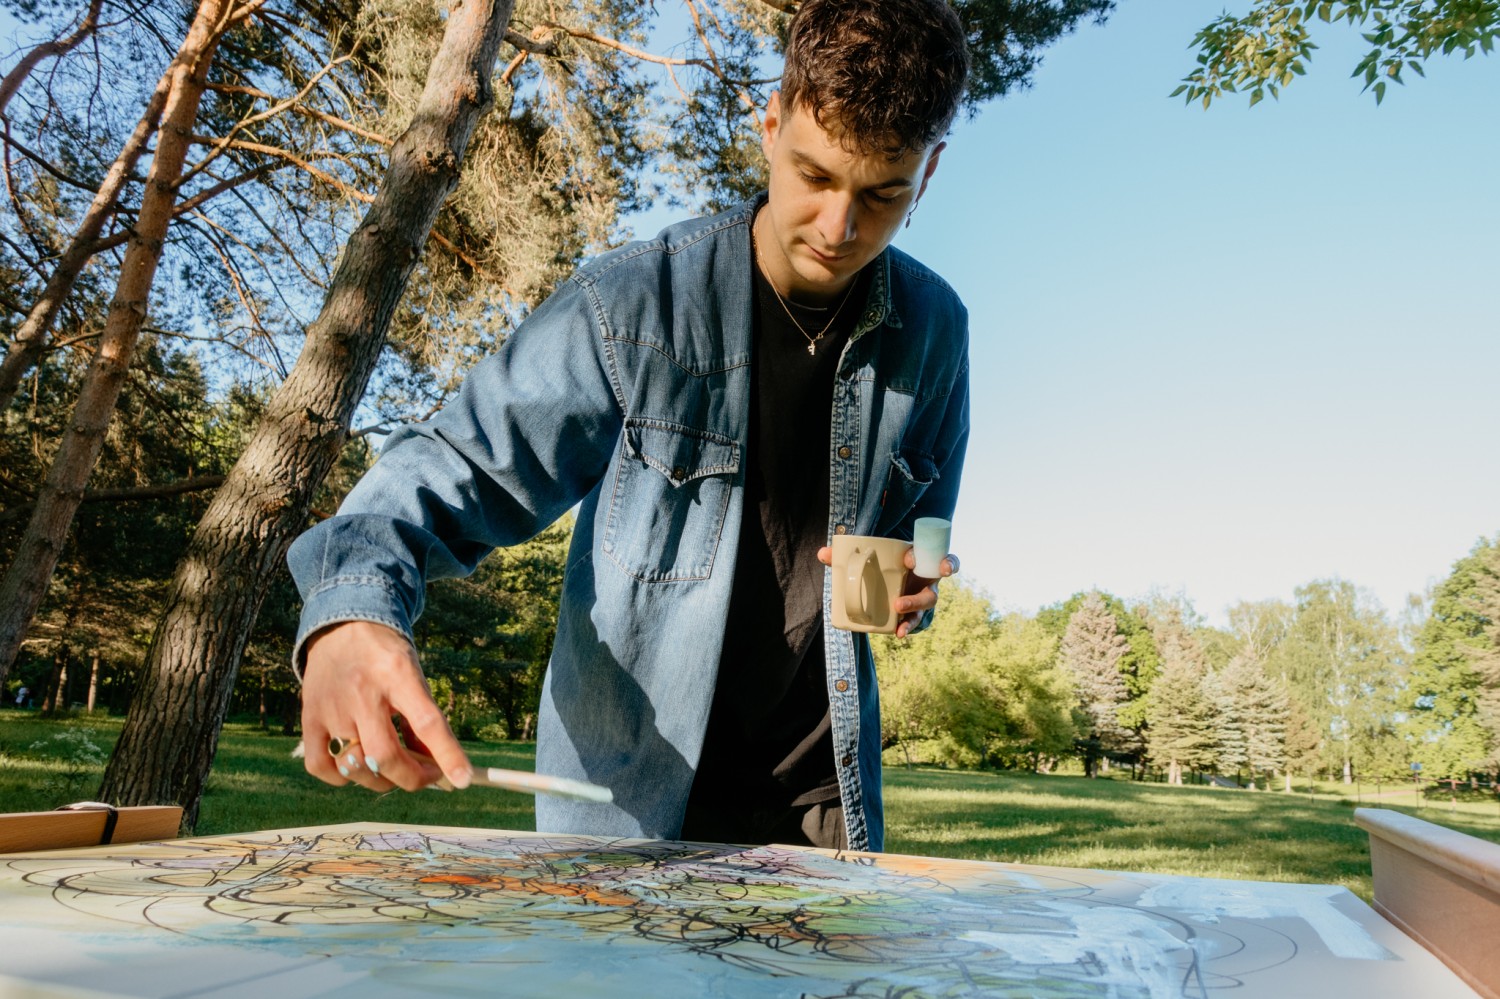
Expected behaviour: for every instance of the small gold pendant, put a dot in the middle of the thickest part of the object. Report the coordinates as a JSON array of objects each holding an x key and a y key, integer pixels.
[{"x": 811, "y": 349}]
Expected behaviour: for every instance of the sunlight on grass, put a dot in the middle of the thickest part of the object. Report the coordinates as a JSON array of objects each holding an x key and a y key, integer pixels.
[{"x": 1052, "y": 820}]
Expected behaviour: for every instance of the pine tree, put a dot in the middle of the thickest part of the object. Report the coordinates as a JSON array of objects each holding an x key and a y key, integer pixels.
[
  {"x": 1092, "y": 648},
  {"x": 1181, "y": 720},
  {"x": 1222, "y": 693},
  {"x": 1260, "y": 708}
]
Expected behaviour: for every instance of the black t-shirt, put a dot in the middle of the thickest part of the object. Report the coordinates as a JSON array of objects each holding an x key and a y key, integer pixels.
[{"x": 768, "y": 749}]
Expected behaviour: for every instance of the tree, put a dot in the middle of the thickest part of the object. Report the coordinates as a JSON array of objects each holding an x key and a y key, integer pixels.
[
  {"x": 1305, "y": 742},
  {"x": 1454, "y": 691},
  {"x": 217, "y": 591},
  {"x": 978, "y": 690},
  {"x": 1268, "y": 47},
  {"x": 940, "y": 689},
  {"x": 129, "y": 532},
  {"x": 1341, "y": 662},
  {"x": 1252, "y": 717},
  {"x": 1035, "y": 695},
  {"x": 485, "y": 639},
  {"x": 559, "y": 181},
  {"x": 1139, "y": 667},
  {"x": 1260, "y": 626},
  {"x": 1092, "y": 648},
  {"x": 24, "y": 585},
  {"x": 1180, "y": 717}
]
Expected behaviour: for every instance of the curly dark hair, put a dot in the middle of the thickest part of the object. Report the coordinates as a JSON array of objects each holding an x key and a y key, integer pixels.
[{"x": 888, "y": 73}]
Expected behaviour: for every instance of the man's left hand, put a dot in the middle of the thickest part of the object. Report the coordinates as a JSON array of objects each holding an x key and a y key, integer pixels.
[{"x": 920, "y": 594}]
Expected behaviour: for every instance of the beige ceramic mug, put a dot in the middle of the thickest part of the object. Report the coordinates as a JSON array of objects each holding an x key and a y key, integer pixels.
[{"x": 868, "y": 576}]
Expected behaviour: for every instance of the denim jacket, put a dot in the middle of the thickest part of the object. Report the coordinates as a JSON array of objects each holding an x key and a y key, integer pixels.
[{"x": 627, "y": 393}]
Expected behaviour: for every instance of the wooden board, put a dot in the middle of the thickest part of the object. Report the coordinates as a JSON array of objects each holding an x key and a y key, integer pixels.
[
  {"x": 60, "y": 830},
  {"x": 367, "y": 911},
  {"x": 1443, "y": 888}
]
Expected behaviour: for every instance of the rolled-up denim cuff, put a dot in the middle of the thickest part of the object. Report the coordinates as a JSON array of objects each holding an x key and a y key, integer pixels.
[{"x": 349, "y": 598}]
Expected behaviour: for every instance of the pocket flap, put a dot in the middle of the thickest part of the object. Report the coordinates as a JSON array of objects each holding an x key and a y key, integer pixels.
[
  {"x": 918, "y": 468},
  {"x": 680, "y": 453}
]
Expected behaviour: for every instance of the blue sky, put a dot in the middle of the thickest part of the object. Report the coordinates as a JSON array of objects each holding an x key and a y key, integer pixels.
[{"x": 1223, "y": 352}]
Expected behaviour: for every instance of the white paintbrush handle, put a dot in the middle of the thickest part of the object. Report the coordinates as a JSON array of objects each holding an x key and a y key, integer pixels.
[{"x": 530, "y": 783}]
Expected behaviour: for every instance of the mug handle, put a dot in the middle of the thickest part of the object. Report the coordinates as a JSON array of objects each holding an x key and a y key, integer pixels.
[{"x": 854, "y": 590}]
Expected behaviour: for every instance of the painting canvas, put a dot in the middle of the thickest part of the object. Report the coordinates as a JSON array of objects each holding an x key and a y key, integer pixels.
[{"x": 368, "y": 911}]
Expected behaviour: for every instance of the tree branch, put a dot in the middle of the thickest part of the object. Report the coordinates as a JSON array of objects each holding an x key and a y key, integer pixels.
[
  {"x": 228, "y": 141},
  {"x": 190, "y": 204},
  {"x": 126, "y": 494},
  {"x": 619, "y": 46},
  {"x": 276, "y": 152},
  {"x": 535, "y": 46},
  {"x": 42, "y": 162},
  {"x": 302, "y": 109},
  {"x": 56, "y": 47}
]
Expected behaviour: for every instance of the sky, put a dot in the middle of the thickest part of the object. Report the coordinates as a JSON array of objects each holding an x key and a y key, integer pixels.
[{"x": 1222, "y": 353}]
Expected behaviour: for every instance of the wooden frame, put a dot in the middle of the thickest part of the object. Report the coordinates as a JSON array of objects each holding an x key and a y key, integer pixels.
[
  {"x": 86, "y": 826},
  {"x": 1442, "y": 887}
]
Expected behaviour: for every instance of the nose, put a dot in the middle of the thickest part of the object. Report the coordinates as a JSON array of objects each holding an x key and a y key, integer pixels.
[{"x": 836, "y": 222}]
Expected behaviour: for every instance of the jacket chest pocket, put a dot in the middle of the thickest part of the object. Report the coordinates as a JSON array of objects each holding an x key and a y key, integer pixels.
[
  {"x": 911, "y": 472},
  {"x": 671, "y": 491}
]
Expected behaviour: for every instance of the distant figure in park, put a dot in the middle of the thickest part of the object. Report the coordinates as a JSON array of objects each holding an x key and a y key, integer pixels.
[
  {"x": 23, "y": 697},
  {"x": 717, "y": 402}
]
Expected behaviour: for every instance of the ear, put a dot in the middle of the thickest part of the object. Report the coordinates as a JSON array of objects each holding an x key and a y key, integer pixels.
[
  {"x": 929, "y": 169},
  {"x": 770, "y": 126}
]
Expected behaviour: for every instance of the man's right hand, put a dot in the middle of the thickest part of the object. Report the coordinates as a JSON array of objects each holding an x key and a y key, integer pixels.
[{"x": 357, "y": 678}]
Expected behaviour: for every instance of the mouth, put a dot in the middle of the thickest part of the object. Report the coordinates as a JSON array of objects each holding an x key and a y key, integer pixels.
[{"x": 825, "y": 258}]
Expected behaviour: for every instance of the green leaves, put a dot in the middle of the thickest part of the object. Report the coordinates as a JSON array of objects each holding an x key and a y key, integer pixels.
[{"x": 1269, "y": 45}]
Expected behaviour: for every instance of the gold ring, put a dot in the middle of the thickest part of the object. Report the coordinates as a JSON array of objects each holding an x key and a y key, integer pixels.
[{"x": 336, "y": 746}]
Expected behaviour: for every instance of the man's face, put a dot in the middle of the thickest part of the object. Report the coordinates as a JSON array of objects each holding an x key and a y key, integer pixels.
[{"x": 831, "y": 211}]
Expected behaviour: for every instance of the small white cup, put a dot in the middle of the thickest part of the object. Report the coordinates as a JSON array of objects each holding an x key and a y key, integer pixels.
[{"x": 930, "y": 538}]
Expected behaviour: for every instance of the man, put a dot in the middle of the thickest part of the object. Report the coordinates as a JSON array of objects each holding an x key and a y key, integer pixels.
[{"x": 718, "y": 402}]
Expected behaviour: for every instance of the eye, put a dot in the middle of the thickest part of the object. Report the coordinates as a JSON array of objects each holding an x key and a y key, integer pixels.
[
  {"x": 811, "y": 179},
  {"x": 881, "y": 199}
]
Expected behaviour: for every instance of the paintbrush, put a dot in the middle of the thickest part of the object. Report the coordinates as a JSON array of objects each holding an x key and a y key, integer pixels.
[
  {"x": 519, "y": 780},
  {"x": 530, "y": 783}
]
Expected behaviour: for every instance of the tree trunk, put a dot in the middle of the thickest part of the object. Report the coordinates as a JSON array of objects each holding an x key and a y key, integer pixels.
[
  {"x": 265, "y": 715},
  {"x": 31, "y": 337},
  {"x": 54, "y": 683},
  {"x": 94, "y": 682},
  {"x": 36, "y": 556},
  {"x": 168, "y": 742}
]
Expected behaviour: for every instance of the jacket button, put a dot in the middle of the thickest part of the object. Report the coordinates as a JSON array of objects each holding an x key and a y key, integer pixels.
[
  {"x": 679, "y": 473},
  {"x": 841, "y": 686},
  {"x": 840, "y": 529},
  {"x": 847, "y": 760},
  {"x": 845, "y": 451}
]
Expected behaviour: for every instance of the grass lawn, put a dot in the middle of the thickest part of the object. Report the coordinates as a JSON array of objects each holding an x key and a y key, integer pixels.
[{"x": 1056, "y": 820}]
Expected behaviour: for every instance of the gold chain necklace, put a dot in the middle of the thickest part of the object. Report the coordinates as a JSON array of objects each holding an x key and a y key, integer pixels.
[{"x": 812, "y": 341}]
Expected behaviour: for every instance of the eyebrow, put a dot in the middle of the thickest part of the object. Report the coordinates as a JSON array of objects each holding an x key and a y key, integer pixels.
[{"x": 803, "y": 159}]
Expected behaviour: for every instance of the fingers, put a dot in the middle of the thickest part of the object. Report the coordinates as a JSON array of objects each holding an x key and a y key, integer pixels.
[
  {"x": 358, "y": 676},
  {"x": 913, "y": 605},
  {"x": 947, "y": 567},
  {"x": 438, "y": 753},
  {"x": 825, "y": 555},
  {"x": 921, "y": 593}
]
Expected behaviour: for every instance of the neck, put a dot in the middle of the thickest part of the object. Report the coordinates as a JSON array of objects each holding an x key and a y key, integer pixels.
[{"x": 773, "y": 263}]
